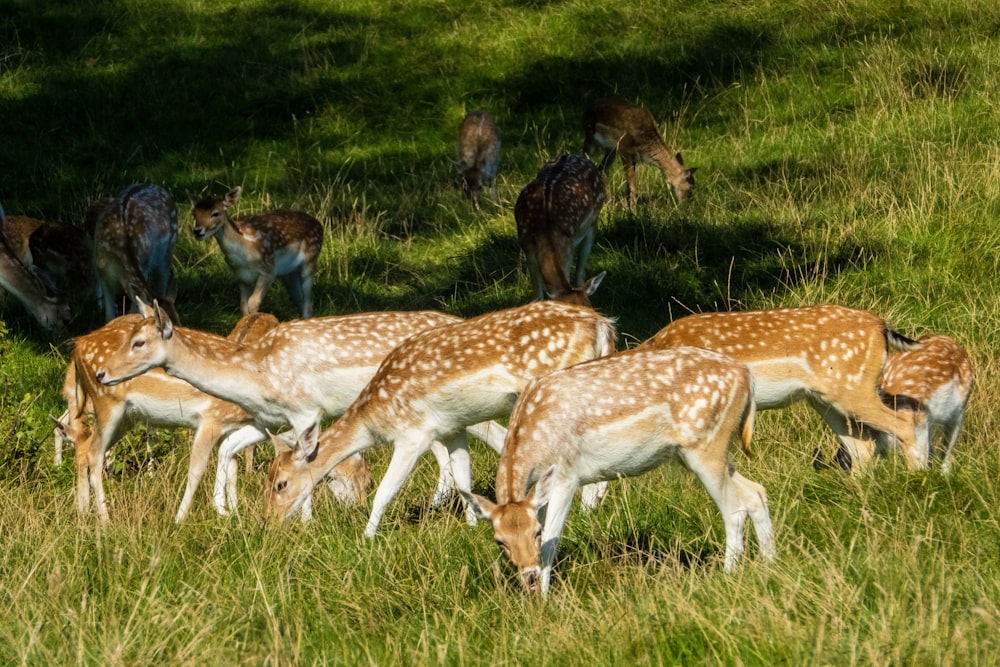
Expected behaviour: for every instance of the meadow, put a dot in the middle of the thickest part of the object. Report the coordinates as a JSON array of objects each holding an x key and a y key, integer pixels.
[{"x": 848, "y": 152}]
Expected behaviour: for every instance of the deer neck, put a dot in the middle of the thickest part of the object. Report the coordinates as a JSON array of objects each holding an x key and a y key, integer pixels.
[
  {"x": 346, "y": 436},
  {"x": 225, "y": 369},
  {"x": 658, "y": 153}
]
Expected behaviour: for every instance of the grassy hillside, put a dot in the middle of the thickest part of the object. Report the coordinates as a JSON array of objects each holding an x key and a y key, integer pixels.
[{"x": 848, "y": 152}]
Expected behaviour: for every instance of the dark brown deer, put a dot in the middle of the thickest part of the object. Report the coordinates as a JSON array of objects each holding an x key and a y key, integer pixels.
[
  {"x": 18, "y": 279},
  {"x": 134, "y": 237},
  {"x": 478, "y": 154},
  {"x": 628, "y": 131},
  {"x": 60, "y": 255},
  {"x": 260, "y": 247},
  {"x": 556, "y": 217}
]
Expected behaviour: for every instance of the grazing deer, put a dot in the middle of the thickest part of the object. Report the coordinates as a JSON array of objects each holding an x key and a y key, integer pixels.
[
  {"x": 616, "y": 417},
  {"x": 478, "y": 154},
  {"x": 260, "y": 247},
  {"x": 159, "y": 400},
  {"x": 134, "y": 237},
  {"x": 431, "y": 387},
  {"x": 556, "y": 217},
  {"x": 829, "y": 355},
  {"x": 18, "y": 279},
  {"x": 59, "y": 254},
  {"x": 295, "y": 374},
  {"x": 929, "y": 386},
  {"x": 623, "y": 129}
]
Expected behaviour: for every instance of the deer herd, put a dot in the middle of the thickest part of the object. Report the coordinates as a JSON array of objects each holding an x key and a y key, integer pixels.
[{"x": 579, "y": 412}]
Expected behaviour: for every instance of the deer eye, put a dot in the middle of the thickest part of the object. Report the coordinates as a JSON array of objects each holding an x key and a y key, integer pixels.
[
  {"x": 538, "y": 533},
  {"x": 136, "y": 344}
]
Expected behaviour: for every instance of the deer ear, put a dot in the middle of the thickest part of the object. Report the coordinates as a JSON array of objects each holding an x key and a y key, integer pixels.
[
  {"x": 163, "y": 323},
  {"x": 541, "y": 491},
  {"x": 232, "y": 196},
  {"x": 144, "y": 308},
  {"x": 307, "y": 444},
  {"x": 481, "y": 506},
  {"x": 591, "y": 285}
]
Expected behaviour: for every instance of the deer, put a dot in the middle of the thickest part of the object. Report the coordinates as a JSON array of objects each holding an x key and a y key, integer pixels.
[
  {"x": 628, "y": 131},
  {"x": 430, "y": 387},
  {"x": 828, "y": 355},
  {"x": 478, "y": 154},
  {"x": 556, "y": 217},
  {"x": 260, "y": 247},
  {"x": 160, "y": 400},
  {"x": 134, "y": 237},
  {"x": 622, "y": 416},
  {"x": 929, "y": 387},
  {"x": 293, "y": 375},
  {"x": 48, "y": 309},
  {"x": 57, "y": 253}
]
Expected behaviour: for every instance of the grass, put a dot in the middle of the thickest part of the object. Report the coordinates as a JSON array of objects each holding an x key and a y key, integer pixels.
[{"x": 847, "y": 153}]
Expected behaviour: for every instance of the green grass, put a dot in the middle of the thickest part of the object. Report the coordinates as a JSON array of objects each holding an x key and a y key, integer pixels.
[{"x": 847, "y": 153}]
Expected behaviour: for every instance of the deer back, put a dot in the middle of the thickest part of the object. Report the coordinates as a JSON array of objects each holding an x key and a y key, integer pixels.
[{"x": 134, "y": 238}]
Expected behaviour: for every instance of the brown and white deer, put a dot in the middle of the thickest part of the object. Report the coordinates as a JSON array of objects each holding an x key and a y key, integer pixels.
[
  {"x": 134, "y": 237},
  {"x": 297, "y": 373},
  {"x": 556, "y": 217},
  {"x": 623, "y": 129},
  {"x": 16, "y": 278},
  {"x": 930, "y": 387},
  {"x": 260, "y": 247},
  {"x": 828, "y": 355},
  {"x": 616, "y": 417},
  {"x": 160, "y": 400},
  {"x": 431, "y": 387},
  {"x": 478, "y": 154}
]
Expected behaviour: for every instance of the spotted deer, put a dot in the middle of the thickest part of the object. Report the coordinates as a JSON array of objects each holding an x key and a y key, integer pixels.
[
  {"x": 295, "y": 374},
  {"x": 929, "y": 386},
  {"x": 162, "y": 401},
  {"x": 622, "y": 416},
  {"x": 260, "y": 247},
  {"x": 628, "y": 131},
  {"x": 431, "y": 387},
  {"x": 47, "y": 308},
  {"x": 828, "y": 355},
  {"x": 478, "y": 154},
  {"x": 556, "y": 217},
  {"x": 134, "y": 237}
]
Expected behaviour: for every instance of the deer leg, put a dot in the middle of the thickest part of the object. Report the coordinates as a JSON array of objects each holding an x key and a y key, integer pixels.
[
  {"x": 583, "y": 251},
  {"x": 224, "y": 492},
  {"x": 299, "y": 287},
  {"x": 492, "y": 433},
  {"x": 405, "y": 454},
  {"x": 951, "y": 431},
  {"x": 592, "y": 494},
  {"x": 204, "y": 441},
  {"x": 461, "y": 470},
  {"x": 712, "y": 469},
  {"x": 446, "y": 481},
  {"x": 628, "y": 164},
  {"x": 264, "y": 281},
  {"x": 857, "y": 447}
]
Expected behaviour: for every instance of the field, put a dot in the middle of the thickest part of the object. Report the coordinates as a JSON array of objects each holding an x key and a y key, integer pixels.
[{"x": 848, "y": 152}]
